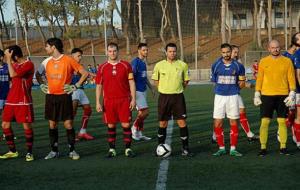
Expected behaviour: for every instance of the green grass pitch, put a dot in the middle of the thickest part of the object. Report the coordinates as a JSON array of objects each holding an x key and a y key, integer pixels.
[{"x": 94, "y": 171}]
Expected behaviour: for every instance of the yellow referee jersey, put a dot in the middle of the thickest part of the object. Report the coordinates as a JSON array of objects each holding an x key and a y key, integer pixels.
[
  {"x": 170, "y": 76},
  {"x": 276, "y": 76}
]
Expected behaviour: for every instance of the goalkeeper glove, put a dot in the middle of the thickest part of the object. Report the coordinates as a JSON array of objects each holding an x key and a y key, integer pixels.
[
  {"x": 257, "y": 100},
  {"x": 44, "y": 88},
  {"x": 70, "y": 88},
  {"x": 291, "y": 99}
]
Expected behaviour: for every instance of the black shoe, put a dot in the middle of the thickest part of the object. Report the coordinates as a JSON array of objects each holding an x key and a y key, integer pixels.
[
  {"x": 253, "y": 139},
  {"x": 187, "y": 153},
  {"x": 262, "y": 152},
  {"x": 284, "y": 151}
]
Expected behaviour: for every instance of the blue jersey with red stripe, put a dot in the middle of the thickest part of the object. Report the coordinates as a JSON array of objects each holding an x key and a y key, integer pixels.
[
  {"x": 296, "y": 62},
  {"x": 226, "y": 77},
  {"x": 139, "y": 69},
  {"x": 4, "y": 81}
]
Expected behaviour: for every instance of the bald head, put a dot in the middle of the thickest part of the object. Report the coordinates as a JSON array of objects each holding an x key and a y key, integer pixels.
[{"x": 274, "y": 48}]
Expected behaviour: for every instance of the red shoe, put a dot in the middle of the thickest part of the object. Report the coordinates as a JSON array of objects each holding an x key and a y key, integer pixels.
[{"x": 84, "y": 136}]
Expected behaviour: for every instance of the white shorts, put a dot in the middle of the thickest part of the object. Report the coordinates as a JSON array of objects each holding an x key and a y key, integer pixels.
[
  {"x": 228, "y": 105},
  {"x": 80, "y": 96},
  {"x": 298, "y": 99},
  {"x": 241, "y": 103},
  {"x": 141, "y": 102},
  {"x": 2, "y": 102}
]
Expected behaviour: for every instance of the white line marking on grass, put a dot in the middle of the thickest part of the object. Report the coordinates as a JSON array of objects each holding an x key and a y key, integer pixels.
[{"x": 162, "y": 176}]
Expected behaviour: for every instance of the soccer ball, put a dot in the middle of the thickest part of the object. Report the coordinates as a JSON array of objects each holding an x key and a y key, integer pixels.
[{"x": 163, "y": 150}]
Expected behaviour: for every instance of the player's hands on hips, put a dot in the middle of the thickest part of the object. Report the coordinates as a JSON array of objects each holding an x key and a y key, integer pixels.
[
  {"x": 99, "y": 107},
  {"x": 69, "y": 88},
  {"x": 291, "y": 99},
  {"x": 257, "y": 100},
  {"x": 44, "y": 88},
  {"x": 132, "y": 105}
]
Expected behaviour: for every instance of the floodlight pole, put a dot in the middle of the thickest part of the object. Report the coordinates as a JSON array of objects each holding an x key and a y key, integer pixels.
[
  {"x": 285, "y": 24},
  {"x": 105, "y": 32},
  {"x": 196, "y": 39}
]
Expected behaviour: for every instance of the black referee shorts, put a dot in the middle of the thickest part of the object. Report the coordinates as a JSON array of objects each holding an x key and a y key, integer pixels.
[
  {"x": 58, "y": 107},
  {"x": 171, "y": 105},
  {"x": 271, "y": 103}
]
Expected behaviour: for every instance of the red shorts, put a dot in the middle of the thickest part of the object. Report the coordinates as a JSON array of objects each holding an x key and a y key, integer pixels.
[
  {"x": 19, "y": 113},
  {"x": 116, "y": 110}
]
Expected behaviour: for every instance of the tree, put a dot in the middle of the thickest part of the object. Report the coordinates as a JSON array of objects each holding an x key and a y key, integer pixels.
[
  {"x": 112, "y": 7},
  {"x": 228, "y": 25},
  {"x": 125, "y": 21},
  {"x": 164, "y": 21},
  {"x": 223, "y": 21},
  {"x": 68, "y": 31},
  {"x": 259, "y": 21},
  {"x": 141, "y": 21},
  {"x": 179, "y": 30},
  {"x": 2, "y": 5},
  {"x": 270, "y": 20},
  {"x": 254, "y": 31}
]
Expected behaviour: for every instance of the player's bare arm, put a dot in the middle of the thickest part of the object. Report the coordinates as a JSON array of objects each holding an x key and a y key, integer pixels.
[
  {"x": 84, "y": 74},
  {"x": 132, "y": 93},
  {"x": 98, "y": 96}
]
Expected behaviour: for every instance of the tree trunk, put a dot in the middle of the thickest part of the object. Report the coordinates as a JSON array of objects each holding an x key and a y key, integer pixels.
[
  {"x": 141, "y": 22},
  {"x": 228, "y": 25},
  {"x": 4, "y": 24},
  {"x": 290, "y": 19},
  {"x": 1, "y": 36},
  {"x": 298, "y": 22},
  {"x": 19, "y": 21},
  {"x": 126, "y": 31},
  {"x": 179, "y": 30},
  {"x": 223, "y": 20},
  {"x": 66, "y": 25},
  {"x": 39, "y": 27},
  {"x": 170, "y": 25},
  {"x": 26, "y": 40},
  {"x": 254, "y": 31},
  {"x": 270, "y": 20},
  {"x": 114, "y": 33},
  {"x": 163, "y": 4},
  {"x": 259, "y": 19}
]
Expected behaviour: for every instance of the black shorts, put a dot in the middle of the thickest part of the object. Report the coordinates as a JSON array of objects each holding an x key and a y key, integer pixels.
[
  {"x": 58, "y": 107},
  {"x": 171, "y": 105},
  {"x": 271, "y": 103}
]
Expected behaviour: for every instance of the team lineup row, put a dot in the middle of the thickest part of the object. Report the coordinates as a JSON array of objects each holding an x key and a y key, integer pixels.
[{"x": 121, "y": 87}]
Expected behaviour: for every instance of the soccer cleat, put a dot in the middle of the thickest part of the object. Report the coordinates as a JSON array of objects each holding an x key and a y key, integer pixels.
[
  {"x": 220, "y": 152},
  {"x": 187, "y": 153},
  {"x": 111, "y": 153},
  {"x": 51, "y": 155},
  {"x": 29, "y": 157},
  {"x": 135, "y": 134},
  {"x": 145, "y": 138},
  {"x": 235, "y": 153},
  {"x": 74, "y": 155},
  {"x": 84, "y": 136},
  {"x": 253, "y": 139},
  {"x": 284, "y": 151},
  {"x": 129, "y": 153},
  {"x": 262, "y": 152},
  {"x": 9, "y": 155}
]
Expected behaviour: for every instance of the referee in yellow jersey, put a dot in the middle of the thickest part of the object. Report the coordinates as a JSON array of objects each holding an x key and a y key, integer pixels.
[
  {"x": 171, "y": 77},
  {"x": 274, "y": 90}
]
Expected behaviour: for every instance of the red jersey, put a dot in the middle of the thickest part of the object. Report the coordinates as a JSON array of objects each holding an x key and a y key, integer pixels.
[
  {"x": 255, "y": 70},
  {"x": 20, "y": 91},
  {"x": 115, "y": 79}
]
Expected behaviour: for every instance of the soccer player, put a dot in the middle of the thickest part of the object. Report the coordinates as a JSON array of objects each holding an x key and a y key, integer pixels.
[
  {"x": 79, "y": 97},
  {"x": 171, "y": 78},
  {"x": 274, "y": 90},
  {"x": 4, "y": 81},
  {"x": 141, "y": 82},
  {"x": 114, "y": 82},
  {"x": 229, "y": 77},
  {"x": 242, "y": 110},
  {"x": 58, "y": 106},
  {"x": 18, "y": 104},
  {"x": 92, "y": 73}
]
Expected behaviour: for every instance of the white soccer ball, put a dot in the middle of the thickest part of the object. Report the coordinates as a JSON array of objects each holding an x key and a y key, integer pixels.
[{"x": 163, "y": 150}]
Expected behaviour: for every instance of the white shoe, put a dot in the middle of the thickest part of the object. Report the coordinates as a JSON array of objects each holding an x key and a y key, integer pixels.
[
  {"x": 135, "y": 134},
  {"x": 74, "y": 155},
  {"x": 51, "y": 155},
  {"x": 142, "y": 137}
]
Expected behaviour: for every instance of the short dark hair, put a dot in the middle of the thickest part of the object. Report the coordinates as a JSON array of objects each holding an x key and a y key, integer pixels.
[
  {"x": 1, "y": 53},
  {"x": 235, "y": 46},
  {"x": 113, "y": 44},
  {"x": 226, "y": 45},
  {"x": 170, "y": 45},
  {"x": 142, "y": 45},
  {"x": 17, "y": 52},
  {"x": 295, "y": 39},
  {"x": 57, "y": 43},
  {"x": 75, "y": 50}
]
